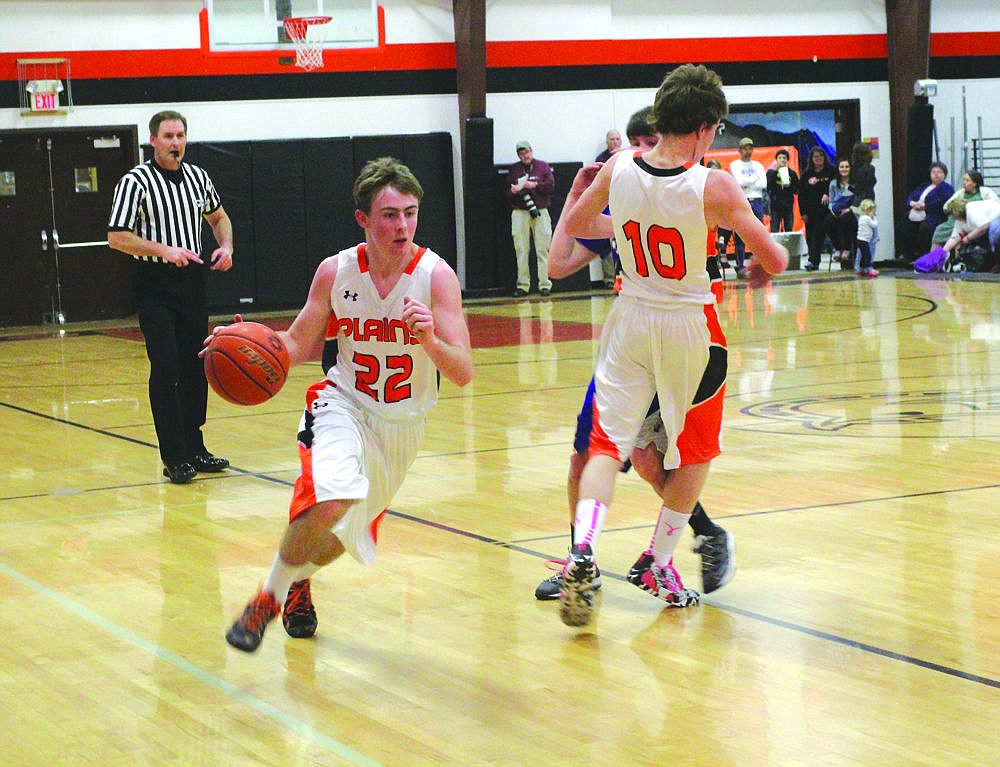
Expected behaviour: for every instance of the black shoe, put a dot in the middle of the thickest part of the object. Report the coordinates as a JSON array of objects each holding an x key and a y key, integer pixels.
[
  {"x": 247, "y": 632},
  {"x": 576, "y": 595},
  {"x": 548, "y": 590},
  {"x": 299, "y": 615},
  {"x": 520, "y": 293},
  {"x": 544, "y": 292},
  {"x": 717, "y": 559},
  {"x": 179, "y": 473},
  {"x": 206, "y": 463},
  {"x": 811, "y": 267}
]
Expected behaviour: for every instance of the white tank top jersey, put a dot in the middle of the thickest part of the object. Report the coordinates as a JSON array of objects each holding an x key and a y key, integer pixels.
[
  {"x": 660, "y": 232},
  {"x": 379, "y": 362}
]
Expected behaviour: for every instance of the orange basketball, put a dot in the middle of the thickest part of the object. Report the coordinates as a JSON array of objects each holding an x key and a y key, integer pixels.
[{"x": 246, "y": 363}]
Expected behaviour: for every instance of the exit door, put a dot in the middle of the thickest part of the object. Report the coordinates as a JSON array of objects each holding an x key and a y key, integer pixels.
[{"x": 56, "y": 188}]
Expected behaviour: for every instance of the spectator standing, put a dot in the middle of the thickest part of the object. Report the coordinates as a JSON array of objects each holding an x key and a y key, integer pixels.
[
  {"x": 867, "y": 238},
  {"x": 752, "y": 178},
  {"x": 608, "y": 266},
  {"x": 530, "y": 186},
  {"x": 814, "y": 199},
  {"x": 156, "y": 217},
  {"x": 719, "y": 237},
  {"x": 782, "y": 186},
  {"x": 614, "y": 142},
  {"x": 926, "y": 211},
  {"x": 862, "y": 173},
  {"x": 843, "y": 223}
]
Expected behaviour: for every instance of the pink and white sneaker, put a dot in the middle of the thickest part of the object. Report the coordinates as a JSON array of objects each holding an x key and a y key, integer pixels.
[{"x": 662, "y": 582}]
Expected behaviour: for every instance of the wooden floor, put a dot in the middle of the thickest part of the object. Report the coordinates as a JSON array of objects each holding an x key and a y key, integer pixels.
[{"x": 860, "y": 479}]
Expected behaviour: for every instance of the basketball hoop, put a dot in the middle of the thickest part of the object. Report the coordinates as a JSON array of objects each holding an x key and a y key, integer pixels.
[{"x": 308, "y": 34}]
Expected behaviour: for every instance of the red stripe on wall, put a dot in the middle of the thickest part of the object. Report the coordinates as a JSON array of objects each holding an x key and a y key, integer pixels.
[
  {"x": 173, "y": 62},
  {"x": 658, "y": 51},
  {"x": 965, "y": 44},
  {"x": 186, "y": 62},
  {"x": 177, "y": 62}
]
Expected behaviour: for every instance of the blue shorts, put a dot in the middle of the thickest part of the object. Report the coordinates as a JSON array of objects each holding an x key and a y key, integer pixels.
[{"x": 601, "y": 248}]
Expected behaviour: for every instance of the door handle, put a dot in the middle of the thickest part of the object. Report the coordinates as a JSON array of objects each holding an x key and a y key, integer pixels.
[
  {"x": 55, "y": 239},
  {"x": 45, "y": 240}
]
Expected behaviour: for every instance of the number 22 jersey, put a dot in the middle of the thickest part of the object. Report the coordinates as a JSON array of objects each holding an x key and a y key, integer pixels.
[{"x": 379, "y": 363}]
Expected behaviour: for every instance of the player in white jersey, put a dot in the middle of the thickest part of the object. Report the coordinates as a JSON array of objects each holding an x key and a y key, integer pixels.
[
  {"x": 712, "y": 542},
  {"x": 394, "y": 311},
  {"x": 661, "y": 331}
]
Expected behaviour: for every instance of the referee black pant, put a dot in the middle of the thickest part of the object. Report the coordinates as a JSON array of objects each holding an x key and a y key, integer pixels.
[{"x": 173, "y": 317}]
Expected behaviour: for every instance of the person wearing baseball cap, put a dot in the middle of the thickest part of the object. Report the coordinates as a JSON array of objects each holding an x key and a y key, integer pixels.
[
  {"x": 530, "y": 184},
  {"x": 752, "y": 179}
]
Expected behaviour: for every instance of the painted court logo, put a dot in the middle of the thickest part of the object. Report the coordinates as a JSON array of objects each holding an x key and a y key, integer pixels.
[{"x": 912, "y": 413}]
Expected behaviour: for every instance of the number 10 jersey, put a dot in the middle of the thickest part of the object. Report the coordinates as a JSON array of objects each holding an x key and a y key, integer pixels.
[{"x": 660, "y": 232}]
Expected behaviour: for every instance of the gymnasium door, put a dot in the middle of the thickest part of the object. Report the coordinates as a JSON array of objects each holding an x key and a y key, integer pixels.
[{"x": 56, "y": 188}]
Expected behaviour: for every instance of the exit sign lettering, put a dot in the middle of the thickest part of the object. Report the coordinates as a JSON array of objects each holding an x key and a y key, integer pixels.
[{"x": 45, "y": 102}]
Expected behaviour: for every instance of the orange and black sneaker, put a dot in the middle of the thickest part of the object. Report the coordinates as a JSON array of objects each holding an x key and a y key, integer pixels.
[
  {"x": 247, "y": 632},
  {"x": 299, "y": 616}
]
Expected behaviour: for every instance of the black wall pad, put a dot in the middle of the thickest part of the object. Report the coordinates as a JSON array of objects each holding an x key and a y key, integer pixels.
[
  {"x": 483, "y": 272},
  {"x": 920, "y": 138},
  {"x": 328, "y": 170},
  {"x": 230, "y": 166},
  {"x": 283, "y": 273},
  {"x": 430, "y": 157}
]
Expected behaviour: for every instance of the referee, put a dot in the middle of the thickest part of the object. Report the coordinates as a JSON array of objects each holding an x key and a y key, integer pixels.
[{"x": 156, "y": 218}]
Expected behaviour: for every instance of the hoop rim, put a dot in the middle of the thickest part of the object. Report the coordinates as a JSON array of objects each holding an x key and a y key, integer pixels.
[{"x": 297, "y": 25}]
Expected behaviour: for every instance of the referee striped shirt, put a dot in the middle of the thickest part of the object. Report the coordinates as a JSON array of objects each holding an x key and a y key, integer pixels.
[{"x": 164, "y": 206}]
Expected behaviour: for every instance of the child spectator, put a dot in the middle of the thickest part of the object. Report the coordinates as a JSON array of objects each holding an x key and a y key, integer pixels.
[{"x": 867, "y": 238}]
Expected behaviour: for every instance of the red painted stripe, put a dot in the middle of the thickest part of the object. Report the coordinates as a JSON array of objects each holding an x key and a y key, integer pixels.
[
  {"x": 965, "y": 44},
  {"x": 657, "y": 51},
  {"x": 180, "y": 62},
  {"x": 187, "y": 62}
]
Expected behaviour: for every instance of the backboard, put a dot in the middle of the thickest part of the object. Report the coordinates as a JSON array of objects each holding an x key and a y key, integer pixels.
[{"x": 256, "y": 25}]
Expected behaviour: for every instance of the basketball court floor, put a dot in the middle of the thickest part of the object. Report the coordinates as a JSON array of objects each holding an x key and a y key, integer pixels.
[{"x": 860, "y": 480}]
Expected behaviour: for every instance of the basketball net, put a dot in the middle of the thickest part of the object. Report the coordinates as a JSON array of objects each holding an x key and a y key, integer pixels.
[{"x": 308, "y": 33}]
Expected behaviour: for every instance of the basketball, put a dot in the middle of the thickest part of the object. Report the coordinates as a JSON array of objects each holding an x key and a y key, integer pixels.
[{"x": 246, "y": 363}]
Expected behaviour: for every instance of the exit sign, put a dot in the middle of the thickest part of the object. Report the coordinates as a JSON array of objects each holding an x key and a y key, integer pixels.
[
  {"x": 43, "y": 95},
  {"x": 45, "y": 102}
]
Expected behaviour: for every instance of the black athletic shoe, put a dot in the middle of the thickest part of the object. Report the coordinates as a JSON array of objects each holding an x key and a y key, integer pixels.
[
  {"x": 299, "y": 617},
  {"x": 717, "y": 559},
  {"x": 179, "y": 473},
  {"x": 548, "y": 590},
  {"x": 247, "y": 632},
  {"x": 576, "y": 597},
  {"x": 206, "y": 463}
]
